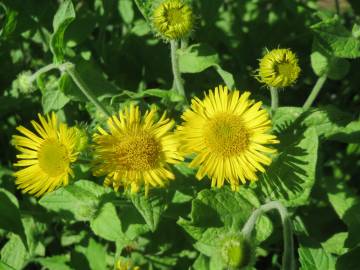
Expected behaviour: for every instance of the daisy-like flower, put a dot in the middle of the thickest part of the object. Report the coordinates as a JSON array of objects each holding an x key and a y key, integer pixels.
[
  {"x": 46, "y": 157},
  {"x": 173, "y": 19},
  {"x": 278, "y": 68},
  {"x": 136, "y": 151},
  {"x": 227, "y": 132}
]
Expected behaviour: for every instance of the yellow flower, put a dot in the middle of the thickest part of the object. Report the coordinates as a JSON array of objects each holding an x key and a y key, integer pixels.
[
  {"x": 227, "y": 132},
  {"x": 45, "y": 156},
  {"x": 136, "y": 151},
  {"x": 279, "y": 68},
  {"x": 173, "y": 19}
]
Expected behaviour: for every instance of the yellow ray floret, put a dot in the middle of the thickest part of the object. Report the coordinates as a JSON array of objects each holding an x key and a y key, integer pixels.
[
  {"x": 173, "y": 19},
  {"x": 136, "y": 151},
  {"x": 228, "y": 133},
  {"x": 45, "y": 157},
  {"x": 279, "y": 68}
]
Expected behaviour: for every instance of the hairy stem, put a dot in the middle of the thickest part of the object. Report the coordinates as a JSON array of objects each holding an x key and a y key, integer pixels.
[
  {"x": 175, "y": 68},
  {"x": 70, "y": 69},
  {"x": 314, "y": 92},
  {"x": 43, "y": 70},
  {"x": 274, "y": 98},
  {"x": 288, "y": 260}
]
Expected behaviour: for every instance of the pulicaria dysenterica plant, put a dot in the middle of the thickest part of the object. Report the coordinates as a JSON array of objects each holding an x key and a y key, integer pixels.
[
  {"x": 46, "y": 157},
  {"x": 132, "y": 163}
]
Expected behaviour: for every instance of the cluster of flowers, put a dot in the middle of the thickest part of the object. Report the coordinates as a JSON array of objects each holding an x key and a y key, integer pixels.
[{"x": 225, "y": 136}]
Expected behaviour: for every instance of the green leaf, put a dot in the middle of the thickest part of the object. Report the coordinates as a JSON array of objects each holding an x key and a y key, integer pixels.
[
  {"x": 5, "y": 266},
  {"x": 10, "y": 219},
  {"x": 62, "y": 19},
  {"x": 145, "y": 7},
  {"x": 9, "y": 24},
  {"x": 95, "y": 254},
  {"x": 336, "y": 243},
  {"x": 150, "y": 207},
  {"x": 14, "y": 253},
  {"x": 79, "y": 201},
  {"x": 106, "y": 223},
  {"x": 315, "y": 258},
  {"x": 221, "y": 211},
  {"x": 347, "y": 206},
  {"x": 58, "y": 262},
  {"x": 126, "y": 10},
  {"x": 323, "y": 63},
  {"x": 291, "y": 175},
  {"x": 196, "y": 58},
  {"x": 54, "y": 100},
  {"x": 329, "y": 122},
  {"x": 331, "y": 36}
]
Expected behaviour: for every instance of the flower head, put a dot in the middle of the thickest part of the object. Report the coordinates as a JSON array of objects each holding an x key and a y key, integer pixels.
[
  {"x": 227, "y": 132},
  {"x": 136, "y": 151},
  {"x": 46, "y": 157},
  {"x": 279, "y": 68},
  {"x": 173, "y": 19}
]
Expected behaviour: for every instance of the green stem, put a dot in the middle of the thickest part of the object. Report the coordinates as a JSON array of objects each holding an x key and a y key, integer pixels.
[
  {"x": 314, "y": 92},
  {"x": 69, "y": 68},
  {"x": 42, "y": 70},
  {"x": 175, "y": 68},
  {"x": 274, "y": 98},
  {"x": 288, "y": 260}
]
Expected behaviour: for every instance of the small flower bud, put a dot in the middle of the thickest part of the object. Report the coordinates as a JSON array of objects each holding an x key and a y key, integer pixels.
[
  {"x": 173, "y": 19},
  {"x": 125, "y": 264},
  {"x": 25, "y": 82},
  {"x": 279, "y": 68},
  {"x": 81, "y": 138},
  {"x": 236, "y": 251}
]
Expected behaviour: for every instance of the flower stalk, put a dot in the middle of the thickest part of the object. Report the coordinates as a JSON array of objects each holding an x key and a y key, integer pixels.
[
  {"x": 288, "y": 260},
  {"x": 69, "y": 68},
  {"x": 315, "y": 92},
  {"x": 179, "y": 87},
  {"x": 274, "y": 98}
]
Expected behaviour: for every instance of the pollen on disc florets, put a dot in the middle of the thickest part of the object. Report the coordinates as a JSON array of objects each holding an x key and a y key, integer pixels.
[
  {"x": 279, "y": 68},
  {"x": 173, "y": 19}
]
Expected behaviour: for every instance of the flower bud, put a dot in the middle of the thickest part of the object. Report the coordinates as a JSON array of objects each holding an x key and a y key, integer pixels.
[
  {"x": 236, "y": 251},
  {"x": 279, "y": 68},
  {"x": 81, "y": 138},
  {"x": 125, "y": 264},
  {"x": 173, "y": 19},
  {"x": 25, "y": 82}
]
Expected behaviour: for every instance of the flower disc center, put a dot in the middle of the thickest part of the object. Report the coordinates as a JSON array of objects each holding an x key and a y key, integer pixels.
[
  {"x": 53, "y": 157},
  {"x": 174, "y": 16},
  {"x": 138, "y": 152},
  {"x": 285, "y": 69},
  {"x": 226, "y": 135}
]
